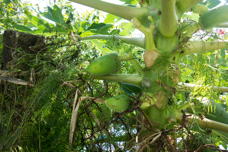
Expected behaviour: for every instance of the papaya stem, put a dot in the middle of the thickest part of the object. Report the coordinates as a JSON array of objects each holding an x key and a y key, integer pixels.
[
  {"x": 137, "y": 41},
  {"x": 202, "y": 46},
  {"x": 168, "y": 22},
  {"x": 127, "y": 78},
  {"x": 125, "y": 12},
  {"x": 207, "y": 123},
  {"x": 214, "y": 17},
  {"x": 148, "y": 32}
]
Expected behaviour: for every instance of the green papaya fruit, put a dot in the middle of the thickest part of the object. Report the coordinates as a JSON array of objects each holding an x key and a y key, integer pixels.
[
  {"x": 118, "y": 103},
  {"x": 107, "y": 64}
]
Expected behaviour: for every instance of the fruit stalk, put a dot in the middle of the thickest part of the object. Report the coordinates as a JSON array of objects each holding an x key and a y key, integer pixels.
[
  {"x": 202, "y": 46},
  {"x": 207, "y": 123},
  {"x": 168, "y": 21},
  {"x": 137, "y": 41},
  {"x": 127, "y": 78},
  {"x": 125, "y": 12}
]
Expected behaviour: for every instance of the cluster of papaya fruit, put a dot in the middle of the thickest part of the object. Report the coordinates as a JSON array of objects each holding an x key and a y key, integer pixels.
[
  {"x": 105, "y": 65},
  {"x": 110, "y": 64}
]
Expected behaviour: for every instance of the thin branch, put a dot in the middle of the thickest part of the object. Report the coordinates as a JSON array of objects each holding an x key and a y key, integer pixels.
[
  {"x": 189, "y": 86},
  {"x": 125, "y": 12},
  {"x": 127, "y": 78},
  {"x": 202, "y": 46},
  {"x": 74, "y": 116},
  {"x": 207, "y": 123},
  {"x": 137, "y": 41},
  {"x": 15, "y": 81},
  {"x": 214, "y": 17},
  {"x": 168, "y": 21}
]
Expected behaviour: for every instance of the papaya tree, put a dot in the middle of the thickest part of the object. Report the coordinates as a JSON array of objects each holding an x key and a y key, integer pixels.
[
  {"x": 95, "y": 87},
  {"x": 169, "y": 36}
]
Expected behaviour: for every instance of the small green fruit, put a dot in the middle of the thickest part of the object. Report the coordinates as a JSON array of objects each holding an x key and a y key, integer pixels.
[
  {"x": 118, "y": 103},
  {"x": 104, "y": 65}
]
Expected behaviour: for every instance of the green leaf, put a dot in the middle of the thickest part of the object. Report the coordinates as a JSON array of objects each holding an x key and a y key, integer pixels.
[
  {"x": 55, "y": 14},
  {"x": 133, "y": 2},
  {"x": 111, "y": 18},
  {"x": 38, "y": 22},
  {"x": 130, "y": 89},
  {"x": 127, "y": 28},
  {"x": 22, "y": 28},
  {"x": 101, "y": 28}
]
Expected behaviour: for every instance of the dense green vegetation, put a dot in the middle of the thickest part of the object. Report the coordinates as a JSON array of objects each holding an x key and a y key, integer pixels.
[{"x": 76, "y": 81}]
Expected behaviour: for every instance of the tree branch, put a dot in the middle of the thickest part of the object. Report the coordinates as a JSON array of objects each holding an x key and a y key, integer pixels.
[
  {"x": 127, "y": 78},
  {"x": 137, "y": 41},
  {"x": 15, "y": 81},
  {"x": 189, "y": 86},
  {"x": 201, "y": 46},
  {"x": 207, "y": 123},
  {"x": 214, "y": 17},
  {"x": 125, "y": 12},
  {"x": 168, "y": 21}
]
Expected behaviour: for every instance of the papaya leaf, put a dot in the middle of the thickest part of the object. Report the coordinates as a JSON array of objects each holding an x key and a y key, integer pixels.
[
  {"x": 101, "y": 28},
  {"x": 130, "y": 89},
  {"x": 22, "y": 28},
  {"x": 55, "y": 14}
]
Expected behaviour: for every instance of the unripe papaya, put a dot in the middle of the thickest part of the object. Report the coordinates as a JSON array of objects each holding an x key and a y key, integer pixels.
[
  {"x": 118, "y": 103},
  {"x": 107, "y": 64}
]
